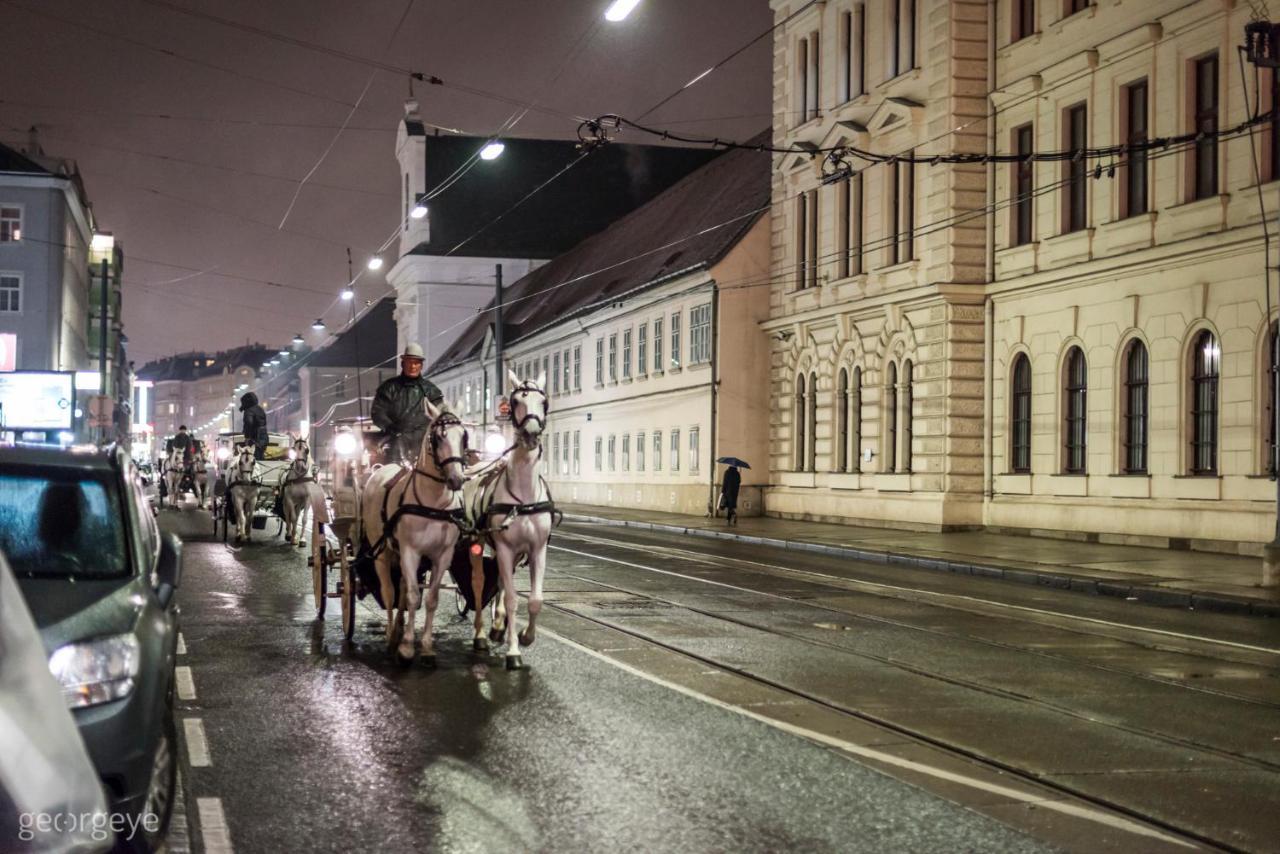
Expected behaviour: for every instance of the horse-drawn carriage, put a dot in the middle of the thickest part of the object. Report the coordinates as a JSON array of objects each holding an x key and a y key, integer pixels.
[
  {"x": 270, "y": 474},
  {"x": 183, "y": 471}
]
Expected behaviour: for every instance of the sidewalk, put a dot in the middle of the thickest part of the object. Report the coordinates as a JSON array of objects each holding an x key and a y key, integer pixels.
[{"x": 1183, "y": 579}]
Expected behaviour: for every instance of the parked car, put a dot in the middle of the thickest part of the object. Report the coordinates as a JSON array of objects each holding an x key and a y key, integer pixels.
[
  {"x": 146, "y": 472},
  {"x": 100, "y": 581},
  {"x": 40, "y": 734}
]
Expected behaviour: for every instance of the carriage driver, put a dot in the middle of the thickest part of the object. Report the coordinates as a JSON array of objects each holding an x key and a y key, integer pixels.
[
  {"x": 398, "y": 408},
  {"x": 181, "y": 440}
]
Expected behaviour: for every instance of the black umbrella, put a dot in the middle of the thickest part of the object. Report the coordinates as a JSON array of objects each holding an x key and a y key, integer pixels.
[{"x": 734, "y": 461}]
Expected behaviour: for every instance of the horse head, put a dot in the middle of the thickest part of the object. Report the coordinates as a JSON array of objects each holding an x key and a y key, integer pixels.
[
  {"x": 529, "y": 406},
  {"x": 445, "y": 446}
]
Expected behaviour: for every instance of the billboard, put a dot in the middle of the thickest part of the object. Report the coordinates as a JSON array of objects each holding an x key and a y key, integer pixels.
[{"x": 37, "y": 400}]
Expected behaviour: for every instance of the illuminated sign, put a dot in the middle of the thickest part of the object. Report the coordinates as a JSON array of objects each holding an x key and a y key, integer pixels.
[
  {"x": 36, "y": 400},
  {"x": 8, "y": 351}
]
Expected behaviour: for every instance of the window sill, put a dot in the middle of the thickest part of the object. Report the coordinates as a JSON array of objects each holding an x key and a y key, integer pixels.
[{"x": 699, "y": 366}]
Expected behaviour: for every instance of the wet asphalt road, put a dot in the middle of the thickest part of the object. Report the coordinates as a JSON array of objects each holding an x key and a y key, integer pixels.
[{"x": 697, "y": 695}]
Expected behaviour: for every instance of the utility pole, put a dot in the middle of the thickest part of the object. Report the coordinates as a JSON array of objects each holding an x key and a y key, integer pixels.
[
  {"x": 102, "y": 340},
  {"x": 499, "y": 376}
]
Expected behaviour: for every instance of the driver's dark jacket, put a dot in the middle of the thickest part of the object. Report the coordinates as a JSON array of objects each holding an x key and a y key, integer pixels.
[
  {"x": 183, "y": 441},
  {"x": 398, "y": 408}
]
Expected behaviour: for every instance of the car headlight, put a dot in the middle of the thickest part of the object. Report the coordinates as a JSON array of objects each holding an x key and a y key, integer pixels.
[{"x": 97, "y": 671}]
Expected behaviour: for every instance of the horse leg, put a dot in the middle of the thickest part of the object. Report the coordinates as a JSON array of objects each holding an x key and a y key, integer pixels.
[
  {"x": 409, "y": 560},
  {"x": 439, "y": 563},
  {"x": 537, "y": 563},
  {"x": 498, "y": 614},
  {"x": 383, "y": 566},
  {"x": 478, "y": 641},
  {"x": 506, "y": 569}
]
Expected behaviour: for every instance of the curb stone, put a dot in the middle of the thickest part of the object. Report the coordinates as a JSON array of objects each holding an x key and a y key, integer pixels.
[{"x": 1161, "y": 596}]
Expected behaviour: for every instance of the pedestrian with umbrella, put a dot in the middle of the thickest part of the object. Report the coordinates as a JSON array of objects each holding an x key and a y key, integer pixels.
[{"x": 729, "y": 488}]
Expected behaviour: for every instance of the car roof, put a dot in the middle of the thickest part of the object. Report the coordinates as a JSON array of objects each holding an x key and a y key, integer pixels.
[{"x": 65, "y": 458}]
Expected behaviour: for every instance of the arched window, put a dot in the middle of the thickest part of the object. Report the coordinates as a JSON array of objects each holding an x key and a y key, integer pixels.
[
  {"x": 908, "y": 400},
  {"x": 855, "y": 417},
  {"x": 813, "y": 423},
  {"x": 1135, "y": 408},
  {"x": 1206, "y": 358},
  {"x": 800, "y": 420},
  {"x": 890, "y": 448},
  {"x": 1269, "y": 395},
  {"x": 1075, "y": 412},
  {"x": 1020, "y": 416},
  {"x": 842, "y": 420}
]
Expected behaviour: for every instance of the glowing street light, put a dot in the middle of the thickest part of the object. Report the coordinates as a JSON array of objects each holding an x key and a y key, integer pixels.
[
  {"x": 298, "y": 340},
  {"x": 348, "y": 293},
  {"x": 375, "y": 262},
  {"x": 318, "y": 326},
  {"x": 419, "y": 211},
  {"x": 492, "y": 151},
  {"x": 619, "y": 9}
]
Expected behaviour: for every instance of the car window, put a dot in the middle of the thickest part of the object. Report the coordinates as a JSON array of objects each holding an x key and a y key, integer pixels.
[
  {"x": 62, "y": 523},
  {"x": 145, "y": 533}
]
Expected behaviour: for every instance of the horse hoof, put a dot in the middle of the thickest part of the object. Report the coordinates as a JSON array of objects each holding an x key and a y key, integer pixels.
[
  {"x": 403, "y": 660},
  {"x": 495, "y": 635},
  {"x": 526, "y": 640},
  {"x": 480, "y": 645},
  {"x": 514, "y": 662},
  {"x": 429, "y": 661}
]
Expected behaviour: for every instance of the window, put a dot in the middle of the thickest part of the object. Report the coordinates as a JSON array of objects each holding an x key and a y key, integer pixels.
[
  {"x": 700, "y": 334},
  {"x": 908, "y": 415},
  {"x": 1075, "y": 214},
  {"x": 577, "y": 368},
  {"x": 555, "y": 375},
  {"x": 807, "y": 239},
  {"x": 1074, "y": 6},
  {"x": 902, "y": 204},
  {"x": 565, "y": 379},
  {"x": 1020, "y": 416},
  {"x": 842, "y": 420},
  {"x": 675, "y": 341},
  {"x": 10, "y": 294},
  {"x": 1273, "y": 142},
  {"x": 675, "y": 450},
  {"x": 555, "y": 449},
  {"x": 1024, "y": 19},
  {"x": 799, "y": 421},
  {"x": 850, "y": 206},
  {"x": 853, "y": 52},
  {"x": 657, "y": 345},
  {"x": 10, "y": 223},
  {"x": 577, "y": 456},
  {"x": 807, "y": 77},
  {"x": 642, "y": 350},
  {"x": 546, "y": 371},
  {"x": 1133, "y": 199},
  {"x": 640, "y": 451},
  {"x": 1075, "y": 412},
  {"x": 1135, "y": 409},
  {"x": 1024, "y": 184},
  {"x": 626, "y": 354},
  {"x": 657, "y": 450},
  {"x": 405, "y": 218},
  {"x": 613, "y": 447},
  {"x": 694, "y": 456},
  {"x": 903, "y": 48},
  {"x": 1206, "y": 357},
  {"x": 599, "y": 361},
  {"x": 1205, "y": 165},
  {"x": 855, "y": 419},
  {"x": 599, "y": 453},
  {"x": 889, "y": 453},
  {"x": 564, "y": 459},
  {"x": 1269, "y": 395},
  {"x": 613, "y": 358},
  {"x": 626, "y": 452}
]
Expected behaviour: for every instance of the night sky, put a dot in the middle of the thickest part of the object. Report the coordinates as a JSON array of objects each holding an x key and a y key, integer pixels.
[{"x": 204, "y": 190}]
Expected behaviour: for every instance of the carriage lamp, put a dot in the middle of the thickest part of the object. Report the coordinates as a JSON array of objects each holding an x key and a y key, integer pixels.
[
  {"x": 494, "y": 443},
  {"x": 345, "y": 444},
  {"x": 298, "y": 339},
  {"x": 96, "y": 671},
  {"x": 223, "y": 454}
]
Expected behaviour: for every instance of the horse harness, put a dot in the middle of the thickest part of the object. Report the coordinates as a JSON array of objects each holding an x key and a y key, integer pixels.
[{"x": 456, "y": 515}]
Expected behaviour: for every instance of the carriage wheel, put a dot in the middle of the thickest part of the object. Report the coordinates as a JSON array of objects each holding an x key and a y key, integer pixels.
[
  {"x": 215, "y": 515},
  {"x": 320, "y": 579},
  {"x": 459, "y": 602},
  {"x": 348, "y": 593}
]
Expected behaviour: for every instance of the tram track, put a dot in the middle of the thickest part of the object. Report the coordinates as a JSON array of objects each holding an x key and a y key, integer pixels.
[
  {"x": 1260, "y": 657},
  {"x": 890, "y": 725}
]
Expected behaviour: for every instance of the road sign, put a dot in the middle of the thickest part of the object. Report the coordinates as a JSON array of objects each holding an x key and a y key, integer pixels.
[
  {"x": 101, "y": 410},
  {"x": 504, "y": 410}
]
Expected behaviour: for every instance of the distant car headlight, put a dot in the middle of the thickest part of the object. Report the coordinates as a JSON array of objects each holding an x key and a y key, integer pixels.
[{"x": 97, "y": 671}]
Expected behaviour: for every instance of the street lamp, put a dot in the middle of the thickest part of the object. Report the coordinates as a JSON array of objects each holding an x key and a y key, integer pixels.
[
  {"x": 419, "y": 211},
  {"x": 619, "y": 9},
  {"x": 348, "y": 292},
  {"x": 318, "y": 326},
  {"x": 375, "y": 262},
  {"x": 298, "y": 340},
  {"x": 492, "y": 151}
]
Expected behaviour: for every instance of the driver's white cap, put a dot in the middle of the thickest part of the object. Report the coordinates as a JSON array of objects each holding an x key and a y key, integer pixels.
[{"x": 413, "y": 350}]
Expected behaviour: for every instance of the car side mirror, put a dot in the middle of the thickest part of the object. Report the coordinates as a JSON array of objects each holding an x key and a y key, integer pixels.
[{"x": 168, "y": 568}]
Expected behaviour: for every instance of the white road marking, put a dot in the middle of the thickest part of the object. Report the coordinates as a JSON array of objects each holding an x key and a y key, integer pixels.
[
  {"x": 1084, "y": 812},
  {"x": 182, "y": 644},
  {"x": 213, "y": 826},
  {"x": 186, "y": 685},
  {"x": 894, "y": 587},
  {"x": 197, "y": 744}
]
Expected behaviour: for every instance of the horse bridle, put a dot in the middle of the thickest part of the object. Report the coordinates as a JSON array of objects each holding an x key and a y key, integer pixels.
[
  {"x": 443, "y": 422},
  {"x": 530, "y": 387}
]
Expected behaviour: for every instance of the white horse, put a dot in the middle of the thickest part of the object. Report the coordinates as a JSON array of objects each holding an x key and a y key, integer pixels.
[
  {"x": 415, "y": 512},
  {"x": 201, "y": 476},
  {"x": 516, "y": 511},
  {"x": 243, "y": 482},
  {"x": 174, "y": 465},
  {"x": 300, "y": 492}
]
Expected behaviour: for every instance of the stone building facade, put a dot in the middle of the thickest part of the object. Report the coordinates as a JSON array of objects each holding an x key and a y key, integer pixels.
[{"x": 1080, "y": 348}]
